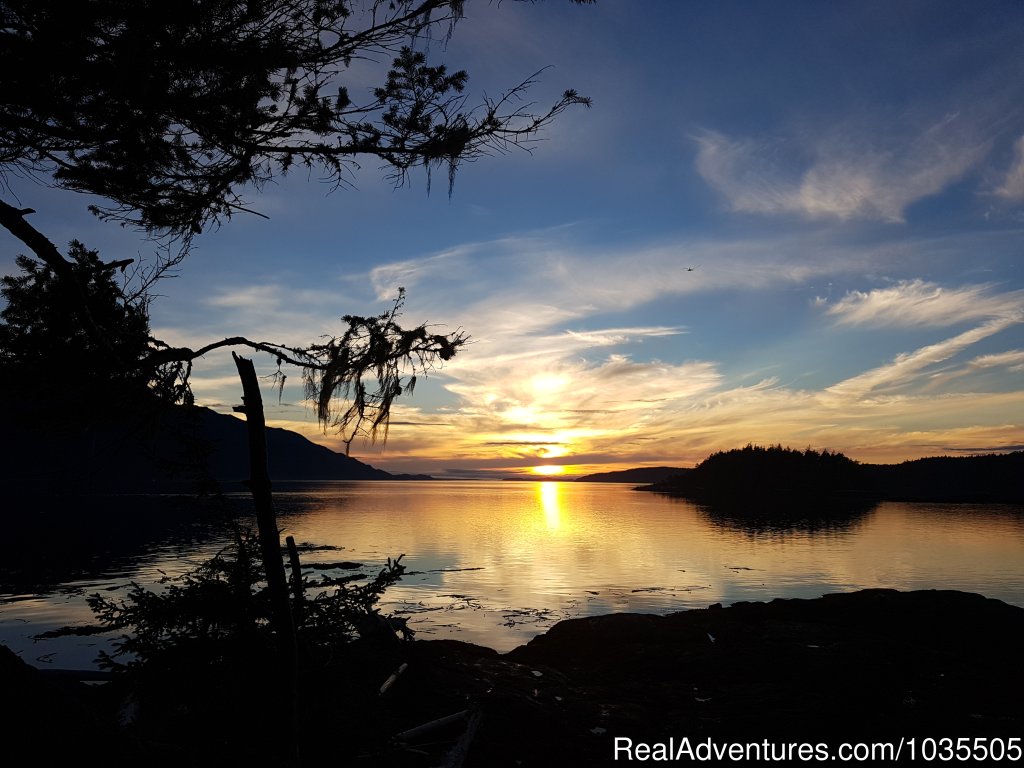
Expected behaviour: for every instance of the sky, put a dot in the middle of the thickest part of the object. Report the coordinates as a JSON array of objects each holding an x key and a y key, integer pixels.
[{"x": 788, "y": 222}]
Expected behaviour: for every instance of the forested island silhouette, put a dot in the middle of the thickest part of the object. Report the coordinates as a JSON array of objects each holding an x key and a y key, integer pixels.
[{"x": 774, "y": 477}]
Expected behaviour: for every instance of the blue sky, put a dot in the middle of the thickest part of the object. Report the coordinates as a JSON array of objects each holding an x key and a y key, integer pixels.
[{"x": 846, "y": 181}]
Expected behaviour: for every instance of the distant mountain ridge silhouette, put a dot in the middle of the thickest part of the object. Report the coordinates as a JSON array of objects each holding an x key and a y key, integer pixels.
[
  {"x": 635, "y": 475},
  {"x": 173, "y": 449}
]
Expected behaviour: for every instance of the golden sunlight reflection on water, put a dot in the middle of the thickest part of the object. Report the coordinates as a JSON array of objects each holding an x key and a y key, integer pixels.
[
  {"x": 549, "y": 499},
  {"x": 496, "y": 563}
]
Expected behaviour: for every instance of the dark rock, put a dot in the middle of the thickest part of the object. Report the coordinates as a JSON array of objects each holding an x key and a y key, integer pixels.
[
  {"x": 55, "y": 718},
  {"x": 860, "y": 667}
]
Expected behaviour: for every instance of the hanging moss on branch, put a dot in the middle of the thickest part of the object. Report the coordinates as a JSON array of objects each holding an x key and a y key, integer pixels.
[{"x": 45, "y": 333}]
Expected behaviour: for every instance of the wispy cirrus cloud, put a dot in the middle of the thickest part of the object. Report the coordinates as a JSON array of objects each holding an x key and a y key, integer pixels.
[
  {"x": 749, "y": 173},
  {"x": 917, "y": 303},
  {"x": 536, "y": 283},
  {"x": 843, "y": 173},
  {"x": 270, "y": 296},
  {"x": 1012, "y": 187},
  {"x": 1012, "y": 359},
  {"x": 386, "y": 279},
  {"x": 907, "y": 366}
]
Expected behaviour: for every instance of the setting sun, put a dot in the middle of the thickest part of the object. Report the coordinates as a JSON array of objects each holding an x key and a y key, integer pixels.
[{"x": 548, "y": 470}]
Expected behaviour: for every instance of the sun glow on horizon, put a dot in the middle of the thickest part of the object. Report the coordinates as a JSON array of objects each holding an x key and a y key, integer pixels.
[{"x": 548, "y": 470}]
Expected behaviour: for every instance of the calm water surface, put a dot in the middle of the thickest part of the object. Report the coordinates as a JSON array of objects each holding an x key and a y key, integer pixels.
[{"x": 496, "y": 563}]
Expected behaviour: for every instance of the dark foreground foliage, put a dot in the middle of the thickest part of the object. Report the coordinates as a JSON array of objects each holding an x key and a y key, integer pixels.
[
  {"x": 199, "y": 656},
  {"x": 218, "y": 615},
  {"x": 46, "y": 339},
  {"x": 871, "y": 667}
]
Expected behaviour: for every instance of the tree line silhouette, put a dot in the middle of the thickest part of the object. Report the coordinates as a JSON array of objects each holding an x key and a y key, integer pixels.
[{"x": 763, "y": 474}]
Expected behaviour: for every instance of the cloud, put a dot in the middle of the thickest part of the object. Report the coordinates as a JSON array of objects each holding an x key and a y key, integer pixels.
[
  {"x": 1012, "y": 359},
  {"x": 844, "y": 173},
  {"x": 560, "y": 369},
  {"x": 681, "y": 426},
  {"x": 263, "y": 297},
  {"x": 273, "y": 310},
  {"x": 586, "y": 394},
  {"x": 747, "y": 172},
  {"x": 905, "y": 367},
  {"x": 1012, "y": 187},
  {"x": 916, "y": 303},
  {"x": 388, "y": 278},
  {"x": 273, "y": 295},
  {"x": 533, "y": 286},
  {"x": 523, "y": 443},
  {"x": 988, "y": 449},
  {"x": 611, "y": 336},
  {"x": 533, "y": 299}
]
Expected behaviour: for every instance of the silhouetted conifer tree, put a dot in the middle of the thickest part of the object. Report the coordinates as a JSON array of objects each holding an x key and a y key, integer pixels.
[{"x": 169, "y": 110}]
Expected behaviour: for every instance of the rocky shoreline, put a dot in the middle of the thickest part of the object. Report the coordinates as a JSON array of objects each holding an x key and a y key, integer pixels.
[{"x": 855, "y": 667}]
